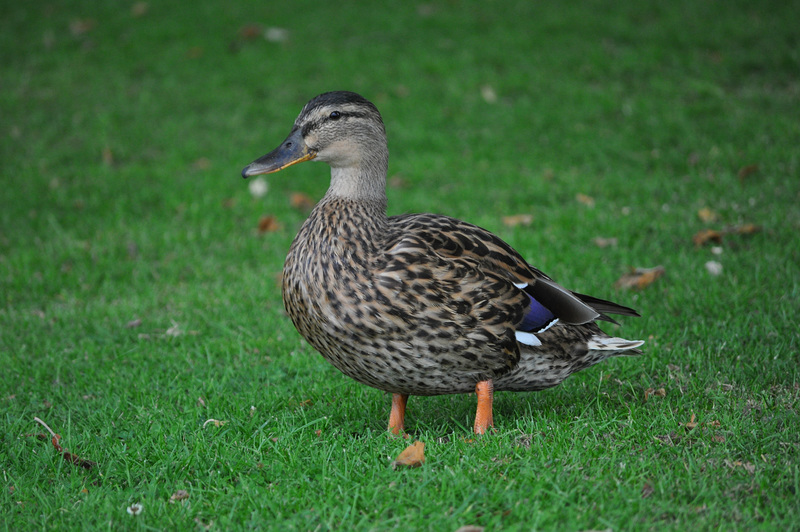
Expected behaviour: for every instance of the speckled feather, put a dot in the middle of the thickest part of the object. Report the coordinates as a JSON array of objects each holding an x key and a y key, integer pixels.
[{"x": 418, "y": 304}]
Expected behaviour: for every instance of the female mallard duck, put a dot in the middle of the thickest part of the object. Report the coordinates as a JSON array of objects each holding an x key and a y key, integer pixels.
[{"x": 420, "y": 304}]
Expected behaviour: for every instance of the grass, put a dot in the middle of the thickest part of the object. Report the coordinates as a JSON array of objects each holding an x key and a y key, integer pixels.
[{"x": 138, "y": 300}]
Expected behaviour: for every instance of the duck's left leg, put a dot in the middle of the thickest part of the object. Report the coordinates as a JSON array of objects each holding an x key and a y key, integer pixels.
[
  {"x": 398, "y": 414},
  {"x": 483, "y": 416}
]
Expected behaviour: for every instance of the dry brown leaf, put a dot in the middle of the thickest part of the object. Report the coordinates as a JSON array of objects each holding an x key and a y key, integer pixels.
[
  {"x": 640, "y": 278},
  {"x": 412, "y": 456},
  {"x": 301, "y": 201},
  {"x": 691, "y": 424},
  {"x": 517, "y": 219},
  {"x": 180, "y": 495},
  {"x": 747, "y": 171},
  {"x": 68, "y": 456},
  {"x": 650, "y": 392},
  {"x": 585, "y": 200},
  {"x": 707, "y": 235},
  {"x": 707, "y": 215},
  {"x": 250, "y": 32},
  {"x": 744, "y": 229},
  {"x": 647, "y": 490},
  {"x": 268, "y": 224}
]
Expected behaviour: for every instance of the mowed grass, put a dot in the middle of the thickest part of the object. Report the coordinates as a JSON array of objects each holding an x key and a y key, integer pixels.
[{"x": 139, "y": 300}]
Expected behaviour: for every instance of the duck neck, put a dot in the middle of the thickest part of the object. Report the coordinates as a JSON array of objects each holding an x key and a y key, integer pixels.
[
  {"x": 358, "y": 186},
  {"x": 362, "y": 176}
]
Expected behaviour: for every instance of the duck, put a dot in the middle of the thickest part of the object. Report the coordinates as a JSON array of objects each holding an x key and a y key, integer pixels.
[{"x": 420, "y": 304}]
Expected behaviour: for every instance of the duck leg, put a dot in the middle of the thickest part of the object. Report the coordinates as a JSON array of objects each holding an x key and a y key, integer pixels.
[
  {"x": 398, "y": 413},
  {"x": 483, "y": 416}
]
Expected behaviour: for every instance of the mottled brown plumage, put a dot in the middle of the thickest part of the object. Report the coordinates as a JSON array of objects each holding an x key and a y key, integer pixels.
[{"x": 420, "y": 304}]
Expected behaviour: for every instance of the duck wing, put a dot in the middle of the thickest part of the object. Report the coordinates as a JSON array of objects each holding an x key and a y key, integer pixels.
[
  {"x": 454, "y": 239},
  {"x": 452, "y": 307}
]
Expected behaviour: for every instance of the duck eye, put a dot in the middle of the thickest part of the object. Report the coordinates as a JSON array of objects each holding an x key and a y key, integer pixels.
[{"x": 335, "y": 115}]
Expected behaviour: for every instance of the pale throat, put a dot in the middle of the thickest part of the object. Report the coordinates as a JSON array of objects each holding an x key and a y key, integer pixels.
[{"x": 358, "y": 183}]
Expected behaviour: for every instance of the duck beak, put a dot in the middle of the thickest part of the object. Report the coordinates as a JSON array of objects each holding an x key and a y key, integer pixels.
[{"x": 293, "y": 150}]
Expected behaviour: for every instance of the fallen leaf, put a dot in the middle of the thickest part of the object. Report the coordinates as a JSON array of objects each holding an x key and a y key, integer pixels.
[
  {"x": 133, "y": 323},
  {"x": 517, "y": 219},
  {"x": 746, "y": 171},
  {"x": 249, "y": 32},
  {"x": 707, "y": 215},
  {"x": 640, "y": 278},
  {"x": 69, "y": 457},
  {"x": 301, "y": 201},
  {"x": 705, "y": 236},
  {"x": 718, "y": 438},
  {"x": 268, "y": 224},
  {"x": 691, "y": 424},
  {"x": 650, "y": 392},
  {"x": 201, "y": 402},
  {"x": 585, "y": 200},
  {"x": 602, "y": 242},
  {"x": 743, "y": 229},
  {"x": 180, "y": 495},
  {"x": 647, "y": 490},
  {"x": 412, "y": 456},
  {"x": 713, "y": 235}
]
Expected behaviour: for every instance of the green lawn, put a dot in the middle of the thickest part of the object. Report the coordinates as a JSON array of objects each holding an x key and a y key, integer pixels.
[{"x": 138, "y": 299}]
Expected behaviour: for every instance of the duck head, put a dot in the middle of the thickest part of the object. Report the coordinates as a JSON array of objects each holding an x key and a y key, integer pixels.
[{"x": 342, "y": 129}]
